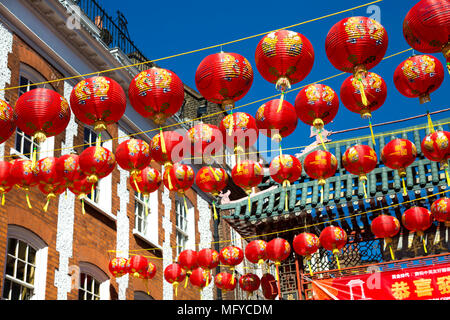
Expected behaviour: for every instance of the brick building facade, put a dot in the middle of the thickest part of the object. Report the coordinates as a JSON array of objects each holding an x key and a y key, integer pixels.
[{"x": 63, "y": 253}]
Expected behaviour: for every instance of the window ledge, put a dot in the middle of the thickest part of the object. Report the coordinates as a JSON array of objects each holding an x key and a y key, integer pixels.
[
  {"x": 106, "y": 213},
  {"x": 144, "y": 238},
  {"x": 14, "y": 152}
]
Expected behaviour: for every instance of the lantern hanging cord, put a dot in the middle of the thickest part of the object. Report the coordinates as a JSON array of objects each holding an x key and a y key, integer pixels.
[
  {"x": 306, "y": 226},
  {"x": 221, "y": 112},
  {"x": 96, "y": 73}
]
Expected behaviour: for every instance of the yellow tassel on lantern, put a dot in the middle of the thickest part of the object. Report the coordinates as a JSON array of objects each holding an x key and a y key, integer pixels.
[
  {"x": 27, "y": 197},
  {"x": 281, "y": 101},
  {"x": 185, "y": 203},
  {"x": 424, "y": 243},
  {"x": 388, "y": 243},
  {"x": 231, "y": 127},
  {"x": 214, "y": 209},
  {"x": 214, "y": 173},
  {"x": 308, "y": 261},
  {"x": 404, "y": 187},
  {"x": 447, "y": 176},
  {"x": 3, "y": 199},
  {"x": 81, "y": 197},
  {"x": 363, "y": 180},
  {"x": 364, "y": 100},
  {"x": 319, "y": 133},
  {"x": 163, "y": 142},
  {"x": 249, "y": 204},
  {"x": 187, "y": 279},
  {"x": 430, "y": 123},
  {"x": 371, "y": 132},
  {"x": 134, "y": 174},
  {"x": 49, "y": 197},
  {"x": 175, "y": 286},
  {"x": 146, "y": 198},
  {"x": 167, "y": 166},
  {"x": 335, "y": 252},
  {"x": 232, "y": 275}
]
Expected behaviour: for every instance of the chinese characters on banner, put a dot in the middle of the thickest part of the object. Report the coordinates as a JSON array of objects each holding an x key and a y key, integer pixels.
[{"x": 422, "y": 283}]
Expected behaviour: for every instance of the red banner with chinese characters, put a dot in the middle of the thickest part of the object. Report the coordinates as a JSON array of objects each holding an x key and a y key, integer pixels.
[{"x": 422, "y": 283}]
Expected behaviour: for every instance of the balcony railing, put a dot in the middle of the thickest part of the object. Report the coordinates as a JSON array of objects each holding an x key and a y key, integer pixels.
[{"x": 113, "y": 32}]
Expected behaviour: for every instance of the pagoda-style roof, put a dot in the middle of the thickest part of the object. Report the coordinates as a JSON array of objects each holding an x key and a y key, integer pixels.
[{"x": 343, "y": 194}]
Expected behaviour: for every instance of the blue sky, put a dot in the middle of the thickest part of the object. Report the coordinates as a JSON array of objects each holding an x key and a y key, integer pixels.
[{"x": 161, "y": 28}]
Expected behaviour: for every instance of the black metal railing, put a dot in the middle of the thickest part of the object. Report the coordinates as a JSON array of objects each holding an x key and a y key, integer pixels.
[{"x": 113, "y": 32}]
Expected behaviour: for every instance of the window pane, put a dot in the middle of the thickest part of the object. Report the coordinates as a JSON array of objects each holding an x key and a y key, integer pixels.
[
  {"x": 6, "y": 289},
  {"x": 12, "y": 246},
  {"x": 20, "y": 271},
  {"x": 31, "y": 255},
  {"x": 10, "y": 265},
  {"x": 15, "y": 291},
  {"x": 22, "y": 251},
  {"x": 30, "y": 274}
]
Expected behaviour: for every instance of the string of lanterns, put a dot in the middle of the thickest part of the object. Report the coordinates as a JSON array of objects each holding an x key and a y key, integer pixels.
[
  {"x": 354, "y": 45},
  {"x": 196, "y": 267}
]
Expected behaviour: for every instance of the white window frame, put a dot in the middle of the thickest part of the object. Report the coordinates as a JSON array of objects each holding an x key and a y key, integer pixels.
[
  {"x": 189, "y": 231},
  {"x": 34, "y": 241},
  {"x": 98, "y": 275},
  {"x": 150, "y": 233},
  {"x": 102, "y": 199},
  {"x": 45, "y": 149}
]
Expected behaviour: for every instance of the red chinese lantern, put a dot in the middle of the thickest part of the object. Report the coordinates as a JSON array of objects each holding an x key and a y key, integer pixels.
[
  {"x": 98, "y": 101},
  {"x": 179, "y": 178},
  {"x": 133, "y": 155},
  {"x": 247, "y": 174},
  {"x": 305, "y": 244},
  {"x": 23, "y": 176},
  {"x": 436, "y": 147},
  {"x": 49, "y": 179},
  {"x": 7, "y": 121},
  {"x": 42, "y": 113},
  {"x": 317, "y": 105},
  {"x": 426, "y": 27},
  {"x": 68, "y": 167},
  {"x": 188, "y": 261},
  {"x": 418, "y": 219},
  {"x": 157, "y": 94},
  {"x": 356, "y": 44},
  {"x": 6, "y": 181},
  {"x": 375, "y": 91},
  {"x": 284, "y": 58},
  {"x": 204, "y": 140},
  {"x": 225, "y": 281},
  {"x": 224, "y": 78},
  {"x": 276, "y": 119},
  {"x": 285, "y": 169},
  {"x": 117, "y": 267},
  {"x": 200, "y": 278},
  {"x": 81, "y": 187},
  {"x": 212, "y": 180},
  {"x": 151, "y": 271},
  {"x": 334, "y": 239},
  {"x": 364, "y": 101},
  {"x": 231, "y": 256},
  {"x": 249, "y": 282},
  {"x": 320, "y": 165},
  {"x": 51, "y": 191},
  {"x": 385, "y": 226},
  {"x": 278, "y": 250},
  {"x": 360, "y": 160},
  {"x": 441, "y": 210},
  {"x": 398, "y": 154},
  {"x": 96, "y": 163},
  {"x": 418, "y": 76},
  {"x": 239, "y": 131},
  {"x": 207, "y": 259},
  {"x": 167, "y": 150},
  {"x": 146, "y": 181},
  {"x": 255, "y": 251},
  {"x": 174, "y": 275},
  {"x": 269, "y": 286},
  {"x": 137, "y": 266}
]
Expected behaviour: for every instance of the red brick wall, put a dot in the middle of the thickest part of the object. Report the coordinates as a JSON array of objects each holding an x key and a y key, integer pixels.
[{"x": 95, "y": 235}]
